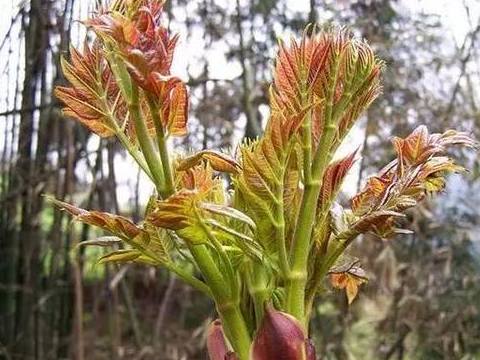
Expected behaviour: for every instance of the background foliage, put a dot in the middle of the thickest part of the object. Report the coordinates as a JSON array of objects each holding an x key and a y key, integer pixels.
[{"x": 421, "y": 301}]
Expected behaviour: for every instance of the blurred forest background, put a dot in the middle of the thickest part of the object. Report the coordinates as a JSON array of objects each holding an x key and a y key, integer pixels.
[{"x": 423, "y": 298}]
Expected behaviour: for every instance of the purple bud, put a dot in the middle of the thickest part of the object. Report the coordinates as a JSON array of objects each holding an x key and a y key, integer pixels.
[
  {"x": 216, "y": 344},
  {"x": 281, "y": 337}
]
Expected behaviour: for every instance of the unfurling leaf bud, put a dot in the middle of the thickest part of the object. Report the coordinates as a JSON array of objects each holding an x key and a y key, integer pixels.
[
  {"x": 216, "y": 343},
  {"x": 281, "y": 337}
]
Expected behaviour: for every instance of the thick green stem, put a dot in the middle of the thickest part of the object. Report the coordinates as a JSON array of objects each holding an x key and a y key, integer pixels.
[
  {"x": 161, "y": 141},
  {"x": 352, "y": 88},
  {"x": 229, "y": 276},
  {"x": 306, "y": 218},
  {"x": 120, "y": 71},
  {"x": 131, "y": 95},
  {"x": 295, "y": 287},
  {"x": 306, "y": 133},
  {"x": 259, "y": 289},
  {"x": 151, "y": 156},
  {"x": 229, "y": 308},
  {"x": 226, "y": 299},
  {"x": 167, "y": 170},
  {"x": 112, "y": 119},
  {"x": 235, "y": 328}
]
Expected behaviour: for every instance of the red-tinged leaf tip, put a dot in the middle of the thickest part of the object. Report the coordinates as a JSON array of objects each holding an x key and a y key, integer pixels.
[
  {"x": 349, "y": 282},
  {"x": 334, "y": 176},
  {"x": 141, "y": 39},
  {"x": 280, "y": 337},
  {"x": 217, "y": 346},
  {"x": 131, "y": 33},
  {"x": 115, "y": 224},
  {"x": 183, "y": 210},
  {"x": 177, "y": 111},
  {"x": 93, "y": 94},
  {"x": 418, "y": 170}
]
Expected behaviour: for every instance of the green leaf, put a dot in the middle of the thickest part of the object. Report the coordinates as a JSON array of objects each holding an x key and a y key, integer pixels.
[
  {"x": 160, "y": 243},
  {"x": 229, "y": 212},
  {"x": 123, "y": 255},
  {"x": 243, "y": 242},
  {"x": 101, "y": 241}
]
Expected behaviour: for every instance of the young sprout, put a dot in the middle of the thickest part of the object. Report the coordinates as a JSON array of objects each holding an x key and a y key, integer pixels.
[{"x": 278, "y": 236}]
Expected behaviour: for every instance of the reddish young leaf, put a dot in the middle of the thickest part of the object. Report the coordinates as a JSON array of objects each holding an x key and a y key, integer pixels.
[
  {"x": 183, "y": 212},
  {"x": 333, "y": 178},
  {"x": 115, "y": 224},
  {"x": 412, "y": 146},
  {"x": 357, "y": 81},
  {"x": 366, "y": 199},
  {"x": 349, "y": 282},
  {"x": 175, "y": 110},
  {"x": 175, "y": 212},
  {"x": 197, "y": 212},
  {"x": 348, "y": 274},
  {"x": 201, "y": 179},
  {"x": 419, "y": 168},
  {"x": 91, "y": 82},
  {"x": 139, "y": 37},
  {"x": 340, "y": 78}
]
